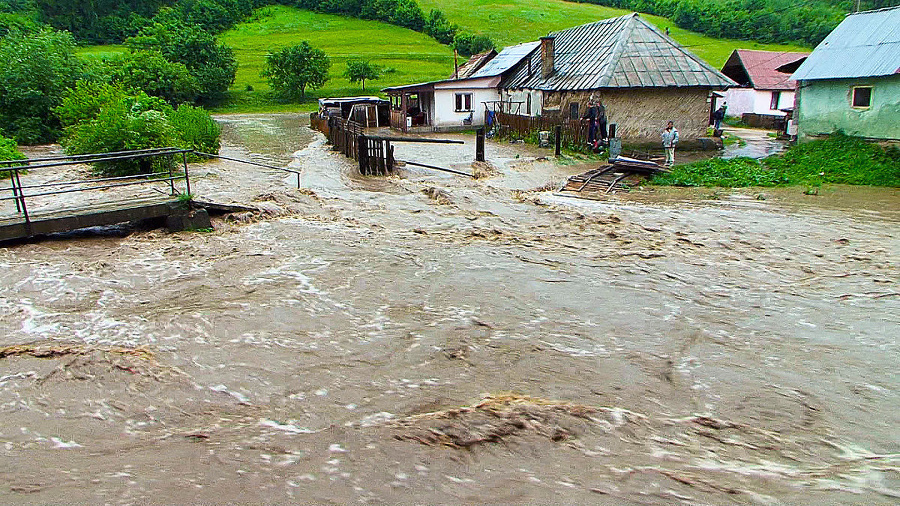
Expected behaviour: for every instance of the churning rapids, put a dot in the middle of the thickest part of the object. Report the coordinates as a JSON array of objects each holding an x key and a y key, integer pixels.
[{"x": 426, "y": 338}]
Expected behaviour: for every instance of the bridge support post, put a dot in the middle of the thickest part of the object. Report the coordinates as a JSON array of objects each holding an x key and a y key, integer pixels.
[{"x": 479, "y": 145}]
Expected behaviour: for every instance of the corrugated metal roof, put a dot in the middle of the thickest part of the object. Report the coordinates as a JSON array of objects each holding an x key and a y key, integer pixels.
[
  {"x": 505, "y": 60},
  {"x": 865, "y": 44},
  {"x": 473, "y": 64},
  {"x": 623, "y": 52},
  {"x": 761, "y": 68}
]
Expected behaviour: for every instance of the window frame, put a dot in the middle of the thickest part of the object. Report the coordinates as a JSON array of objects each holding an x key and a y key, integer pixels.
[
  {"x": 853, "y": 96},
  {"x": 464, "y": 100},
  {"x": 774, "y": 100},
  {"x": 574, "y": 110}
]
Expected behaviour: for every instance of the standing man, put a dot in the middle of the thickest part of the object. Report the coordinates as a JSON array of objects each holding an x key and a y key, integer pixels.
[
  {"x": 718, "y": 116},
  {"x": 591, "y": 116},
  {"x": 601, "y": 122},
  {"x": 669, "y": 140}
]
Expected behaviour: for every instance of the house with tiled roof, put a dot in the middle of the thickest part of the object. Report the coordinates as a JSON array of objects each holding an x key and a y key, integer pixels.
[
  {"x": 851, "y": 81},
  {"x": 642, "y": 76},
  {"x": 762, "y": 89}
]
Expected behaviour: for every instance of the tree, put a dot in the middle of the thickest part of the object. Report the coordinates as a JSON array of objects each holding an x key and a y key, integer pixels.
[
  {"x": 296, "y": 68},
  {"x": 36, "y": 71},
  {"x": 211, "y": 63},
  {"x": 468, "y": 44},
  {"x": 150, "y": 72},
  {"x": 360, "y": 70}
]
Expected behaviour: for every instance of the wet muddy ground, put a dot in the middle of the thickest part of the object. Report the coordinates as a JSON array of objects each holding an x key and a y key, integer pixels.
[{"x": 428, "y": 338}]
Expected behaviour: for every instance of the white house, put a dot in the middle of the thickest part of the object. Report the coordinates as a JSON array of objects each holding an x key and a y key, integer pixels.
[
  {"x": 763, "y": 89},
  {"x": 455, "y": 103}
]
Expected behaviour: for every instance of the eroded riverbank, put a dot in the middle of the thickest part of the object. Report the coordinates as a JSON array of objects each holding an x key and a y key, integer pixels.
[{"x": 709, "y": 349}]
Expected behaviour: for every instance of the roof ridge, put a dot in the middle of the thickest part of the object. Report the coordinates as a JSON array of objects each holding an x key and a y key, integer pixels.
[
  {"x": 873, "y": 10},
  {"x": 683, "y": 49},
  {"x": 615, "y": 57}
]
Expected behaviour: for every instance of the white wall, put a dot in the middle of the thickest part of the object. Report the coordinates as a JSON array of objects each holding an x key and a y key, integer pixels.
[
  {"x": 482, "y": 90},
  {"x": 743, "y": 100}
]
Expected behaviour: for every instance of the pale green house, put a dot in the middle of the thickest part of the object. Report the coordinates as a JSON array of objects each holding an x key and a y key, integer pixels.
[{"x": 851, "y": 81}]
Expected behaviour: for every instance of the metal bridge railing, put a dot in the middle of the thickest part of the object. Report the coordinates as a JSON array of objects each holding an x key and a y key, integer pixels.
[{"x": 20, "y": 193}]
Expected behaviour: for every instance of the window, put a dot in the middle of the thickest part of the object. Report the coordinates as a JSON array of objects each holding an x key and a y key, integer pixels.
[
  {"x": 573, "y": 110},
  {"x": 463, "y": 102},
  {"x": 862, "y": 96},
  {"x": 528, "y": 104},
  {"x": 776, "y": 96}
]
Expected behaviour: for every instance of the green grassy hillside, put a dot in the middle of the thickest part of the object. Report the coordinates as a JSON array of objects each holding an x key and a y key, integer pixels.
[
  {"x": 513, "y": 21},
  {"x": 415, "y": 56}
]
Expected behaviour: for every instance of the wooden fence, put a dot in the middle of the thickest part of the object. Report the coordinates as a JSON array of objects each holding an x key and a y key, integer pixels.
[{"x": 573, "y": 133}]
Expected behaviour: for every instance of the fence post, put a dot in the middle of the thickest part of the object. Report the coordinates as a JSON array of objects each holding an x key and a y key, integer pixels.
[
  {"x": 479, "y": 145},
  {"x": 363, "y": 148},
  {"x": 558, "y": 151}
]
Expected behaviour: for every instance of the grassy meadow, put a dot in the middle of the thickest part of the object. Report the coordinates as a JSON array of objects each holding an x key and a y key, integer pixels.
[{"x": 513, "y": 21}]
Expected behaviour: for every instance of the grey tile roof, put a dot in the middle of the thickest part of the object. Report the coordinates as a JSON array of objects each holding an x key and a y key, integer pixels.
[
  {"x": 623, "y": 52},
  {"x": 865, "y": 44}
]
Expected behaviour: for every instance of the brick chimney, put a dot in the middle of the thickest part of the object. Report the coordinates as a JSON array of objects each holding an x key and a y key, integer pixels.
[{"x": 547, "y": 53}]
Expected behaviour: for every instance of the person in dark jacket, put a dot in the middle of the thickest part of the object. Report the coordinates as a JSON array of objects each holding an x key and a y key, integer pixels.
[
  {"x": 596, "y": 117},
  {"x": 719, "y": 116}
]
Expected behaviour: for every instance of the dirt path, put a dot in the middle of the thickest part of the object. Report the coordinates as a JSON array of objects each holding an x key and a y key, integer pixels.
[{"x": 428, "y": 338}]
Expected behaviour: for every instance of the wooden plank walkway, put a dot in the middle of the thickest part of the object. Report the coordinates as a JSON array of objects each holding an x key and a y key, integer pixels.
[{"x": 95, "y": 215}]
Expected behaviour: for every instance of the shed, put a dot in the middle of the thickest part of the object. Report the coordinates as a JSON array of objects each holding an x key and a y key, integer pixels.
[
  {"x": 851, "y": 81},
  {"x": 642, "y": 76}
]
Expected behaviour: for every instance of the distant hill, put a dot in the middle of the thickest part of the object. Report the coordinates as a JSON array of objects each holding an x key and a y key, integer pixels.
[{"x": 513, "y": 21}]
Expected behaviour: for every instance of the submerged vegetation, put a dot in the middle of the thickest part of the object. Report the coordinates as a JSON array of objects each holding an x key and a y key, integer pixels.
[{"x": 838, "y": 159}]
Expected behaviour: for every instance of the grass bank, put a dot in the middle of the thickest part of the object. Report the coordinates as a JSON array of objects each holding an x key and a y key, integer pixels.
[
  {"x": 839, "y": 159},
  {"x": 513, "y": 21}
]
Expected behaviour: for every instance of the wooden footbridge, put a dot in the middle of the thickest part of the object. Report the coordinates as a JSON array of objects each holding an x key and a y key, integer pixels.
[{"x": 35, "y": 203}]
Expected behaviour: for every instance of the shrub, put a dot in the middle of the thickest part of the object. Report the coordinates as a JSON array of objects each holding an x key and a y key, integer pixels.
[
  {"x": 468, "y": 44},
  {"x": 196, "y": 129},
  {"x": 150, "y": 72},
  {"x": 9, "y": 150},
  {"x": 101, "y": 117},
  {"x": 211, "y": 63},
  {"x": 36, "y": 71}
]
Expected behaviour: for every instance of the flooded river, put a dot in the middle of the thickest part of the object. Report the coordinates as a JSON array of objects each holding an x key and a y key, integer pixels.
[{"x": 426, "y": 338}]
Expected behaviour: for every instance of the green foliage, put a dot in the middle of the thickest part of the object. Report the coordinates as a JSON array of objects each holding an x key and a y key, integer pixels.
[
  {"x": 37, "y": 69},
  {"x": 195, "y": 129},
  {"x": 838, "y": 159},
  {"x": 152, "y": 73},
  {"x": 102, "y": 117},
  {"x": 468, "y": 44},
  {"x": 212, "y": 64},
  {"x": 360, "y": 70},
  {"x": 9, "y": 150},
  {"x": 296, "y": 68}
]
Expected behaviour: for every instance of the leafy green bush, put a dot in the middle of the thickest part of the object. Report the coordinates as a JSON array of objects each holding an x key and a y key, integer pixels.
[
  {"x": 295, "y": 68},
  {"x": 150, "y": 72},
  {"x": 36, "y": 71},
  {"x": 9, "y": 150},
  {"x": 468, "y": 44},
  {"x": 101, "y": 117},
  {"x": 196, "y": 129},
  {"x": 211, "y": 63},
  {"x": 839, "y": 159}
]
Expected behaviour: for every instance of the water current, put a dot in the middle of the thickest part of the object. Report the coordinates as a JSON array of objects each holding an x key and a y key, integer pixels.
[{"x": 427, "y": 338}]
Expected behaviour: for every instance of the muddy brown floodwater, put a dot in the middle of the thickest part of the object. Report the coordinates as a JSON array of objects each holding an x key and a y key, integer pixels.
[{"x": 425, "y": 338}]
